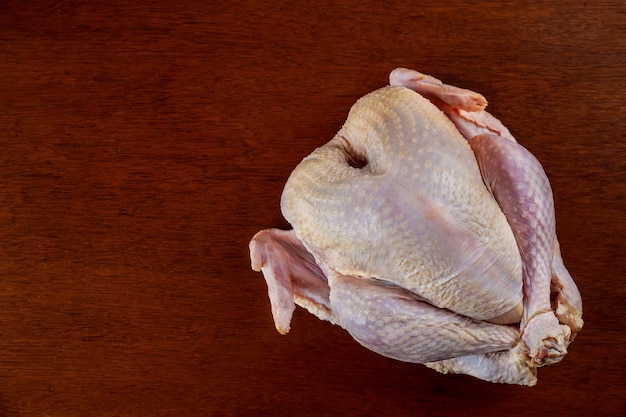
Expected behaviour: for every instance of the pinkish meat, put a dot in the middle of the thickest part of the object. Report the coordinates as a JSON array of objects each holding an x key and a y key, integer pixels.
[{"x": 427, "y": 232}]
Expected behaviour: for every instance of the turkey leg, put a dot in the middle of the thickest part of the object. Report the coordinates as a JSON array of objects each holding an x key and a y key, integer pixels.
[
  {"x": 395, "y": 323},
  {"x": 522, "y": 190}
]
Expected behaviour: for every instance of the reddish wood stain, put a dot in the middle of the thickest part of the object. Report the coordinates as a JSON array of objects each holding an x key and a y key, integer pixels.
[{"x": 144, "y": 143}]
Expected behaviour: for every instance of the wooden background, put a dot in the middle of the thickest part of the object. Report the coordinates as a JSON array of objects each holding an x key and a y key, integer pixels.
[{"x": 144, "y": 143}]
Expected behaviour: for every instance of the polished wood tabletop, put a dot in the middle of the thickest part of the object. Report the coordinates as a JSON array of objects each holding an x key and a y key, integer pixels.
[{"x": 144, "y": 143}]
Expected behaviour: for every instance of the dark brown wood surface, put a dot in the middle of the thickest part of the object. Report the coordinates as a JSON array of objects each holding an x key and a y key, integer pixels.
[{"x": 144, "y": 143}]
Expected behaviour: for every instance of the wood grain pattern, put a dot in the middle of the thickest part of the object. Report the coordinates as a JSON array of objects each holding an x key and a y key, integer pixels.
[{"x": 144, "y": 143}]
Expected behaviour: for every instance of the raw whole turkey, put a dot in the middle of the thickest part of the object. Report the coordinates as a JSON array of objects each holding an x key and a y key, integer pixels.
[{"x": 428, "y": 233}]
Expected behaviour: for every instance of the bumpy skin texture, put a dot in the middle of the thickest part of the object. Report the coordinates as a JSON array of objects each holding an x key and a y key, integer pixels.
[{"x": 428, "y": 233}]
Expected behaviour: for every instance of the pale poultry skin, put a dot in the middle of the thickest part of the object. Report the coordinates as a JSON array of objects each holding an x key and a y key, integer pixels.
[{"x": 428, "y": 233}]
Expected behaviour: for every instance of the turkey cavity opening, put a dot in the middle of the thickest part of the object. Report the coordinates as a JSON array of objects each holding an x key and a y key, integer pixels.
[{"x": 353, "y": 157}]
